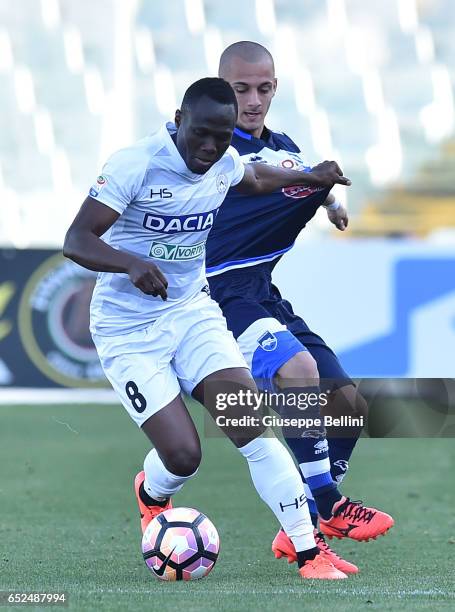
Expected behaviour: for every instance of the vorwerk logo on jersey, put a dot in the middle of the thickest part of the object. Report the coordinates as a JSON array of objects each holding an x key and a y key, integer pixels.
[
  {"x": 166, "y": 224},
  {"x": 176, "y": 252}
]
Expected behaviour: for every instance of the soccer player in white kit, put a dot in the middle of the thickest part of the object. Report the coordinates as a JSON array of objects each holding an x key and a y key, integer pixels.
[{"x": 156, "y": 330}]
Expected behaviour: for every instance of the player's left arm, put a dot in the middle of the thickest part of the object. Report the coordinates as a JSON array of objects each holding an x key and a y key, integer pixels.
[
  {"x": 336, "y": 212},
  {"x": 264, "y": 178}
]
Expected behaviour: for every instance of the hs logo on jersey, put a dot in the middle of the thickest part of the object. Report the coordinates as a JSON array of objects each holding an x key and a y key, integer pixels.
[{"x": 164, "y": 193}]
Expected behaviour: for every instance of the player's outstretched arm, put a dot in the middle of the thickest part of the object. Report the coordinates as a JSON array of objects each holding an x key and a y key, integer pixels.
[
  {"x": 262, "y": 178},
  {"x": 84, "y": 246}
]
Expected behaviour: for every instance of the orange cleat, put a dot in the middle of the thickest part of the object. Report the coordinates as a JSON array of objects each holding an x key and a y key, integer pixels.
[
  {"x": 321, "y": 568},
  {"x": 351, "y": 519},
  {"x": 148, "y": 513},
  {"x": 340, "y": 563},
  {"x": 282, "y": 546}
]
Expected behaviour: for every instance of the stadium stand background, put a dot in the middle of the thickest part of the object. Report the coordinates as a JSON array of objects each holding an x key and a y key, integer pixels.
[
  {"x": 367, "y": 83},
  {"x": 373, "y": 88}
]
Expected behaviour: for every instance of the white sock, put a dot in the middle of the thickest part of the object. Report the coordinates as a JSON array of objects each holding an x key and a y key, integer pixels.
[
  {"x": 278, "y": 483},
  {"x": 159, "y": 482}
]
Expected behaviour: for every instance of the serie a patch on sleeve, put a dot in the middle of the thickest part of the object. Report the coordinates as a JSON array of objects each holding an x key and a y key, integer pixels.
[{"x": 95, "y": 189}]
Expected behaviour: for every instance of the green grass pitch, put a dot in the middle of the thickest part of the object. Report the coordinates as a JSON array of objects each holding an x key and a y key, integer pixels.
[{"x": 69, "y": 522}]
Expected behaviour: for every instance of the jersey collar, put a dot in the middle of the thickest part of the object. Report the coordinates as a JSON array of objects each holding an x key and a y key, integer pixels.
[{"x": 266, "y": 136}]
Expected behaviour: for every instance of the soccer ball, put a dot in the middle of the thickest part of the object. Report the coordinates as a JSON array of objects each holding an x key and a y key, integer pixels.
[{"x": 180, "y": 544}]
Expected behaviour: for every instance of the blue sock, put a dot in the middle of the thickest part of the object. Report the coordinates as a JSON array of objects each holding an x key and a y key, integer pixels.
[
  {"x": 342, "y": 439},
  {"x": 340, "y": 451},
  {"x": 310, "y": 448}
]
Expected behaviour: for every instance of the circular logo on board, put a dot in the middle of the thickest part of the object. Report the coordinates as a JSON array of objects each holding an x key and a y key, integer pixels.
[{"x": 54, "y": 323}]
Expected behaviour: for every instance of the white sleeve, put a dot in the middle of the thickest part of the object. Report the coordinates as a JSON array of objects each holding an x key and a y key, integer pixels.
[
  {"x": 120, "y": 180},
  {"x": 239, "y": 168}
]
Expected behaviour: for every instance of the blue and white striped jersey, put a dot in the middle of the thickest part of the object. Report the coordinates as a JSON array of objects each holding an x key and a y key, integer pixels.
[{"x": 251, "y": 230}]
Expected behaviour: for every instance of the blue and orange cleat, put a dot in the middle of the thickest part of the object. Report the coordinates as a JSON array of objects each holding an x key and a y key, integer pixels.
[
  {"x": 282, "y": 546},
  {"x": 148, "y": 513},
  {"x": 351, "y": 519}
]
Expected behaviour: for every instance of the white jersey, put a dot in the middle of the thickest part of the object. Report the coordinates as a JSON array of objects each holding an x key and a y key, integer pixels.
[{"x": 166, "y": 212}]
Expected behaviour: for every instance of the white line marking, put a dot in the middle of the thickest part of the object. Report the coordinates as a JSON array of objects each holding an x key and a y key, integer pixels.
[{"x": 57, "y": 396}]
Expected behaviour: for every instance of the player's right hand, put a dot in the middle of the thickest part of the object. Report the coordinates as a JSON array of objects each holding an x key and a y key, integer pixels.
[
  {"x": 148, "y": 278},
  {"x": 329, "y": 174}
]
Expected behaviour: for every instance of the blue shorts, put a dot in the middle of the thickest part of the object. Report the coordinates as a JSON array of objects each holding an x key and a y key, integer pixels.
[{"x": 266, "y": 328}]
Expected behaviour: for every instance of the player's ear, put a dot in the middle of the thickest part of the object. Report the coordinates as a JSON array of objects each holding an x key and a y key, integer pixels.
[
  {"x": 178, "y": 117},
  {"x": 275, "y": 85}
]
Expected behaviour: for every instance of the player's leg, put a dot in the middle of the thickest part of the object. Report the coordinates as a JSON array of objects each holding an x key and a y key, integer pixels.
[
  {"x": 343, "y": 400},
  {"x": 265, "y": 351},
  {"x": 138, "y": 365},
  {"x": 291, "y": 365},
  {"x": 345, "y": 518},
  {"x": 208, "y": 363},
  {"x": 272, "y": 470},
  {"x": 274, "y": 354},
  {"x": 174, "y": 459}
]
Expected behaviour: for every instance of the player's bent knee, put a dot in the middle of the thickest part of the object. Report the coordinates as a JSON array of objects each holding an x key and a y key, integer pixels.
[
  {"x": 184, "y": 462},
  {"x": 302, "y": 366},
  {"x": 347, "y": 401}
]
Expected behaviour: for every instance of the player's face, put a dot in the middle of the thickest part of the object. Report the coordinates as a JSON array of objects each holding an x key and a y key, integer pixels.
[
  {"x": 204, "y": 133},
  {"x": 254, "y": 86}
]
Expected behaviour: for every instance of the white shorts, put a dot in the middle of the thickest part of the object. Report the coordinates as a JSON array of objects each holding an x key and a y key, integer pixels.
[{"x": 148, "y": 368}]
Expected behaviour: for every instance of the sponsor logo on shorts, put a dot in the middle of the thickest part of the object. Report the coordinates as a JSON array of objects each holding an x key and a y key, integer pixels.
[
  {"x": 268, "y": 341},
  {"x": 176, "y": 252},
  {"x": 321, "y": 447}
]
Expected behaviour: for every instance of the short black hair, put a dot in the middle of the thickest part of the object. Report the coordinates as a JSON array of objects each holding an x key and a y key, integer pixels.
[{"x": 214, "y": 88}]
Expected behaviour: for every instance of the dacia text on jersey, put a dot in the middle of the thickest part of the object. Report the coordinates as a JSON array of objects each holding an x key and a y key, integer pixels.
[{"x": 167, "y": 224}]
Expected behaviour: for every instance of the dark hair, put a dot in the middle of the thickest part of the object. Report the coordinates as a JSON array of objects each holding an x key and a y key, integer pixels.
[
  {"x": 246, "y": 50},
  {"x": 213, "y": 88}
]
